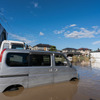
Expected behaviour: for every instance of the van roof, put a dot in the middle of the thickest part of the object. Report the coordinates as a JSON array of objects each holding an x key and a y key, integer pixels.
[
  {"x": 9, "y": 41},
  {"x": 31, "y": 51}
]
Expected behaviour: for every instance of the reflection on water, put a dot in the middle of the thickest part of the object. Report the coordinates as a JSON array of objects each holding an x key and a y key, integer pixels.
[
  {"x": 89, "y": 84},
  {"x": 87, "y": 88}
]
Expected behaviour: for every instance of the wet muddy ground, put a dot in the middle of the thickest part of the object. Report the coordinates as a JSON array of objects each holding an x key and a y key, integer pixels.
[{"x": 87, "y": 88}]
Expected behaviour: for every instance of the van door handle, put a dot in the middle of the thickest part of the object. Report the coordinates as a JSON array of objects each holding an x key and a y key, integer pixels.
[
  {"x": 56, "y": 69},
  {"x": 50, "y": 70}
]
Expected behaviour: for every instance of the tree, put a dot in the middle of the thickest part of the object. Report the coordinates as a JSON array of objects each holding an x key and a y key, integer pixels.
[
  {"x": 53, "y": 48},
  {"x": 98, "y": 50}
]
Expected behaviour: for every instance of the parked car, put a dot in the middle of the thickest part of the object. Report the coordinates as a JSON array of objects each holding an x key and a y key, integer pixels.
[{"x": 32, "y": 68}]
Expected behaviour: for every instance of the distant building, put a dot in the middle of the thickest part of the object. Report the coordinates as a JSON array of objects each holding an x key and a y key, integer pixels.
[
  {"x": 84, "y": 51},
  {"x": 65, "y": 50},
  {"x": 95, "y": 57},
  {"x": 30, "y": 47},
  {"x": 98, "y": 50},
  {"x": 71, "y": 52},
  {"x": 42, "y": 47}
]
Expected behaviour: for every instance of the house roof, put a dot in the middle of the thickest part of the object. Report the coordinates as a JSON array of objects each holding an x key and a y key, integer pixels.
[
  {"x": 84, "y": 49},
  {"x": 43, "y": 45},
  {"x": 69, "y": 49}
]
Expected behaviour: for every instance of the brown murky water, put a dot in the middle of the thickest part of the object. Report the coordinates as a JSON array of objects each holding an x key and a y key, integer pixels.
[{"x": 87, "y": 88}]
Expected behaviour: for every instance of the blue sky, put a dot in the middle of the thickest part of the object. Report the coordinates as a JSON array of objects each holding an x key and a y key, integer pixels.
[{"x": 63, "y": 23}]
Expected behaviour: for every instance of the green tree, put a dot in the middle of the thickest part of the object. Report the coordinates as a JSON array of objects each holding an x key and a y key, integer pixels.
[{"x": 53, "y": 48}]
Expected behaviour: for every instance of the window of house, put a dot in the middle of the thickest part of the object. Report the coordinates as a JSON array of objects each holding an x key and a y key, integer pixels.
[
  {"x": 17, "y": 59},
  {"x": 60, "y": 60},
  {"x": 40, "y": 60}
]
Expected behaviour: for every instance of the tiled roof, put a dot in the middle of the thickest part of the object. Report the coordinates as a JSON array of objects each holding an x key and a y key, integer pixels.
[
  {"x": 43, "y": 45},
  {"x": 69, "y": 49},
  {"x": 84, "y": 49}
]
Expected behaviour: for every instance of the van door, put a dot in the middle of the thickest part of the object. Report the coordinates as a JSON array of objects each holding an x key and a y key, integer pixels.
[
  {"x": 61, "y": 68},
  {"x": 40, "y": 70}
]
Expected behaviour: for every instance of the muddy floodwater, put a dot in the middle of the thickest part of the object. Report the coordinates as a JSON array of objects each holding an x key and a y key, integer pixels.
[{"x": 87, "y": 88}]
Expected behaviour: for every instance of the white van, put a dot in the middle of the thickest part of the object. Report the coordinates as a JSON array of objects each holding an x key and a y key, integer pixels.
[
  {"x": 8, "y": 44},
  {"x": 32, "y": 68}
]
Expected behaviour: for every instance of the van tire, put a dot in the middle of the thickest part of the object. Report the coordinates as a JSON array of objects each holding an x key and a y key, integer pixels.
[
  {"x": 12, "y": 88},
  {"x": 74, "y": 79}
]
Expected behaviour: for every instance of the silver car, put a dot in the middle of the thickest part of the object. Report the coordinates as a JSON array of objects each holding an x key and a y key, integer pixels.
[{"x": 32, "y": 68}]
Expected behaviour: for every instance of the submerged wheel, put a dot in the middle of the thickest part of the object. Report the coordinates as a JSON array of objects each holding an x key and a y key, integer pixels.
[
  {"x": 74, "y": 79},
  {"x": 12, "y": 88}
]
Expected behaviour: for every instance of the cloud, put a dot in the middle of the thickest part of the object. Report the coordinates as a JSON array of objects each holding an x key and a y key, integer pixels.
[
  {"x": 73, "y": 25},
  {"x": 64, "y": 29},
  {"x": 35, "y": 4},
  {"x": 70, "y": 31},
  {"x": 3, "y": 17},
  {"x": 83, "y": 33},
  {"x": 20, "y": 38},
  {"x": 95, "y": 27},
  {"x": 96, "y": 42},
  {"x": 41, "y": 33},
  {"x": 59, "y": 32}
]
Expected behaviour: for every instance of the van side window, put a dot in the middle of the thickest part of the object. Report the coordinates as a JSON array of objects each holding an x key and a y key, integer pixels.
[
  {"x": 40, "y": 60},
  {"x": 60, "y": 60},
  {"x": 17, "y": 59}
]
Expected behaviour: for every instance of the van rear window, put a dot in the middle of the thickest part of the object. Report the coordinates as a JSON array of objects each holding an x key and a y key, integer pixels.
[
  {"x": 17, "y": 59},
  {"x": 17, "y": 46}
]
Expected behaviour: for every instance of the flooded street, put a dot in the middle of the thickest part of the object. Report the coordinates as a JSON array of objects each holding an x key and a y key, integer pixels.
[{"x": 87, "y": 88}]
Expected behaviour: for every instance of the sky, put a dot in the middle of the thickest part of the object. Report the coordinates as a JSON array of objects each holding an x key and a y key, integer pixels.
[{"x": 62, "y": 23}]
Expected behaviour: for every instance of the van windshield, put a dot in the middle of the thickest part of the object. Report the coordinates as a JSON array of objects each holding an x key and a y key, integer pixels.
[{"x": 17, "y": 46}]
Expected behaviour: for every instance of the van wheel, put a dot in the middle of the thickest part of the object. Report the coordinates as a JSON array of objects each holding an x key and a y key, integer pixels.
[
  {"x": 12, "y": 88},
  {"x": 74, "y": 79},
  {"x": 13, "y": 91}
]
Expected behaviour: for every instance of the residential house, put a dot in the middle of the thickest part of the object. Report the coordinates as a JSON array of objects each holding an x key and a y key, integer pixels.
[
  {"x": 84, "y": 51},
  {"x": 42, "y": 47},
  {"x": 65, "y": 50},
  {"x": 30, "y": 47},
  {"x": 70, "y": 52}
]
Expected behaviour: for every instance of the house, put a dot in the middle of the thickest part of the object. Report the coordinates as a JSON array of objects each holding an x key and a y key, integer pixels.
[
  {"x": 42, "y": 47},
  {"x": 65, "y": 50},
  {"x": 30, "y": 47},
  {"x": 84, "y": 51},
  {"x": 71, "y": 52}
]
